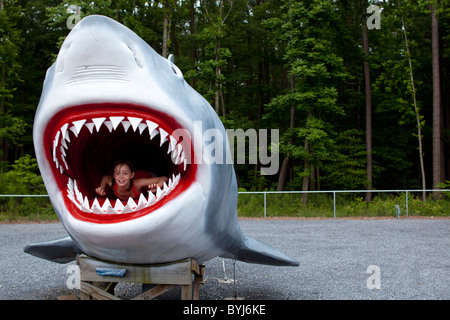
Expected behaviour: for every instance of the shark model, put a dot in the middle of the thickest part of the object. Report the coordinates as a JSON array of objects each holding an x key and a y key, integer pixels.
[{"x": 108, "y": 96}]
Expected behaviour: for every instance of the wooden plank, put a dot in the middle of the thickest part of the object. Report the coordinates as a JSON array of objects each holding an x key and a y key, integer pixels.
[
  {"x": 178, "y": 272},
  {"x": 166, "y": 276},
  {"x": 154, "y": 292},
  {"x": 186, "y": 292},
  {"x": 90, "y": 291}
]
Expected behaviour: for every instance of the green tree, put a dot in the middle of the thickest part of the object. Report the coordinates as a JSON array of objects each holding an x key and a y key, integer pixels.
[
  {"x": 11, "y": 127},
  {"x": 307, "y": 29}
]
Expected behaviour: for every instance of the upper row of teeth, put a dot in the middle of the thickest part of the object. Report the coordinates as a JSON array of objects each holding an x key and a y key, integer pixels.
[
  {"x": 62, "y": 136},
  {"x": 82, "y": 202}
]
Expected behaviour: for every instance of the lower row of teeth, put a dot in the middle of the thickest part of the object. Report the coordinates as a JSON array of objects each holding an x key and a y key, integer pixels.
[{"x": 82, "y": 202}]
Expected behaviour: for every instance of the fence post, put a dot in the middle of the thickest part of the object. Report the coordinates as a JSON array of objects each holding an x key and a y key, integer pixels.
[
  {"x": 406, "y": 203},
  {"x": 264, "y": 204},
  {"x": 334, "y": 204}
]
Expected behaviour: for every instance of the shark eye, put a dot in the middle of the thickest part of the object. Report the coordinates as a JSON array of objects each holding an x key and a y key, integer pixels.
[{"x": 173, "y": 67}]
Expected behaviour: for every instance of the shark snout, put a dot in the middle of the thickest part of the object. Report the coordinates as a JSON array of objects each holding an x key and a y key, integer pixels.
[{"x": 100, "y": 56}]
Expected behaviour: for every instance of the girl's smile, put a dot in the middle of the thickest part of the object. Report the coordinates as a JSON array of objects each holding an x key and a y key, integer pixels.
[{"x": 123, "y": 175}]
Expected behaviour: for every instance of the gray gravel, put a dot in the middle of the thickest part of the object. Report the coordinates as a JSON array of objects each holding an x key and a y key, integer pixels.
[{"x": 412, "y": 255}]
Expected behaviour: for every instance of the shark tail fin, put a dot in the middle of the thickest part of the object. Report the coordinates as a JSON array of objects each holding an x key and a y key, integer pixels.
[
  {"x": 61, "y": 250},
  {"x": 254, "y": 251}
]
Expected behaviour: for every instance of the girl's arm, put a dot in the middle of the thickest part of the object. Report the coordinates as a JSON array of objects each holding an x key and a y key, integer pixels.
[
  {"x": 151, "y": 183},
  {"x": 106, "y": 181}
]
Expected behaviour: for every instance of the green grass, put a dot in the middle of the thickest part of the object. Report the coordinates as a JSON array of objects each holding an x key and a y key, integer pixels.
[
  {"x": 26, "y": 209},
  {"x": 347, "y": 205},
  {"x": 32, "y": 209}
]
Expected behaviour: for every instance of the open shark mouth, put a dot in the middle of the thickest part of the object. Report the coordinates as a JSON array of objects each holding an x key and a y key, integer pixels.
[{"x": 83, "y": 142}]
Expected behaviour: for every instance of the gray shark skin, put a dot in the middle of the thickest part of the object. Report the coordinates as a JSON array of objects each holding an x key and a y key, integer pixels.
[{"x": 107, "y": 96}]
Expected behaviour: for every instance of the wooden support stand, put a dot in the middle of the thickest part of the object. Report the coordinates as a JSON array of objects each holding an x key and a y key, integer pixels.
[{"x": 166, "y": 276}]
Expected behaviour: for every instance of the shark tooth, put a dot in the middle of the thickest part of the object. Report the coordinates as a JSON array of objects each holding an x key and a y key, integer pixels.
[
  {"x": 126, "y": 125},
  {"x": 63, "y": 157},
  {"x": 96, "y": 207},
  {"x": 115, "y": 121},
  {"x": 165, "y": 189},
  {"x": 152, "y": 129},
  {"x": 98, "y": 123},
  {"x": 106, "y": 205},
  {"x": 63, "y": 143},
  {"x": 172, "y": 144},
  {"x": 142, "y": 202},
  {"x": 151, "y": 199},
  {"x": 109, "y": 125},
  {"x": 134, "y": 122},
  {"x": 55, "y": 144},
  {"x": 62, "y": 151},
  {"x": 86, "y": 203},
  {"x": 77, "y": 125},
  {"x": 131, "y": 203},
  {"x": 159, "y": 193},
  {"x": 127, "y": 209},
  {"x": 142, "y": 127},
  {"x": 170, "y": 184},
  {"x": 163, "y": 135},
  {"x": 64, "y": 130},
  {"x": 111, "y": 210},
  {"x": 118, "y": 206},
  {"x": 90, "y": 126},
  {"x": 95, "y": 203}
]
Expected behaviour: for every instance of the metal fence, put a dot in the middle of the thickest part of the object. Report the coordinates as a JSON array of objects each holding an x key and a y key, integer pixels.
[{"x": 334, "y": 192}]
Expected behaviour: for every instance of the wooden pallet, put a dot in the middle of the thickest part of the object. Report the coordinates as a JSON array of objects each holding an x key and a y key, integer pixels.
[{"x": 185, "y": 273}]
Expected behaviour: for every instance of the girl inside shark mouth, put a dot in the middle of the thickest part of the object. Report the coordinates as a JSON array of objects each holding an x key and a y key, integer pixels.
[
  {"x": 85, "y": 146},
  {"x": 124, "y": 182}
]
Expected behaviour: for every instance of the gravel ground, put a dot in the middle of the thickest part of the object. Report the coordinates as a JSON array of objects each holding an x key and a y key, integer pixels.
[{"x": 411, "y": 257}]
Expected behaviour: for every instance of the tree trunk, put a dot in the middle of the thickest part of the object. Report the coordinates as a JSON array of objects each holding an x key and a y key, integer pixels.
[
  {"x": 368, "y": 113},
  {"x": 437, "y": 139},
  {"x": 305, "y": 180},
  {"x": 192, "y": 38},
  {"x": 416, "y": 111},
  {"x": 307, "y": 169},
  {"x": 165, "y": 35},
  {"x": 282, "y": 178}
]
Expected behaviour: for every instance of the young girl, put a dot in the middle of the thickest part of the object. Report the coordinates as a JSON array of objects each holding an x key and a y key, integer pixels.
[{"x": 124, "y": 186}]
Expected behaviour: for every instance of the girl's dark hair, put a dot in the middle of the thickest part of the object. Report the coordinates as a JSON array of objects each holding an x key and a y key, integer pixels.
[{"x": 129, "y": 163}]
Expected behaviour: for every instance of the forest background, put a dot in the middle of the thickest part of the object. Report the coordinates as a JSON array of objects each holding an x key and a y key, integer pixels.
[{"x": 360, "y": 96}]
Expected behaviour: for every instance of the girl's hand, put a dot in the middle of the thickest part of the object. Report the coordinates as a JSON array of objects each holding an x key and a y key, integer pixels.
[
  {"x": 100, "y": 191},
  {"x": 153, "y": 187}
]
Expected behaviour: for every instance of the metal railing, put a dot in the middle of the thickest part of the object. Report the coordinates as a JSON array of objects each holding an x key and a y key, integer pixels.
[
  {"x": 334, "y": 192},
  {"x": 265, "y": 193}
]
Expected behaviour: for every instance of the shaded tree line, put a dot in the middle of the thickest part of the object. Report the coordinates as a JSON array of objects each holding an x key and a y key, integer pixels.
[{"x": 357, "y": 106}]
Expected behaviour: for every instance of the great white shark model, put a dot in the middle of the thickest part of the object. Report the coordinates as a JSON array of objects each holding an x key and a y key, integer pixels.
[{"x": 107, "y": 96}]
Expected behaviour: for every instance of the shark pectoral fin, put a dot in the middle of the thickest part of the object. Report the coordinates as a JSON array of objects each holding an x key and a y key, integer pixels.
[
  {"x": 254, "y": 251},
  {"x": 61, "y": 250}
]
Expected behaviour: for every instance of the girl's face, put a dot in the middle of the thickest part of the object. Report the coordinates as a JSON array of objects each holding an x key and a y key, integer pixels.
[{"x": 123, "y": 175}]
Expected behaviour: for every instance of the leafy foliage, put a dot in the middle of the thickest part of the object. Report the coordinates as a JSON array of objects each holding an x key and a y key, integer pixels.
[{"x": 290, "y": 65}]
